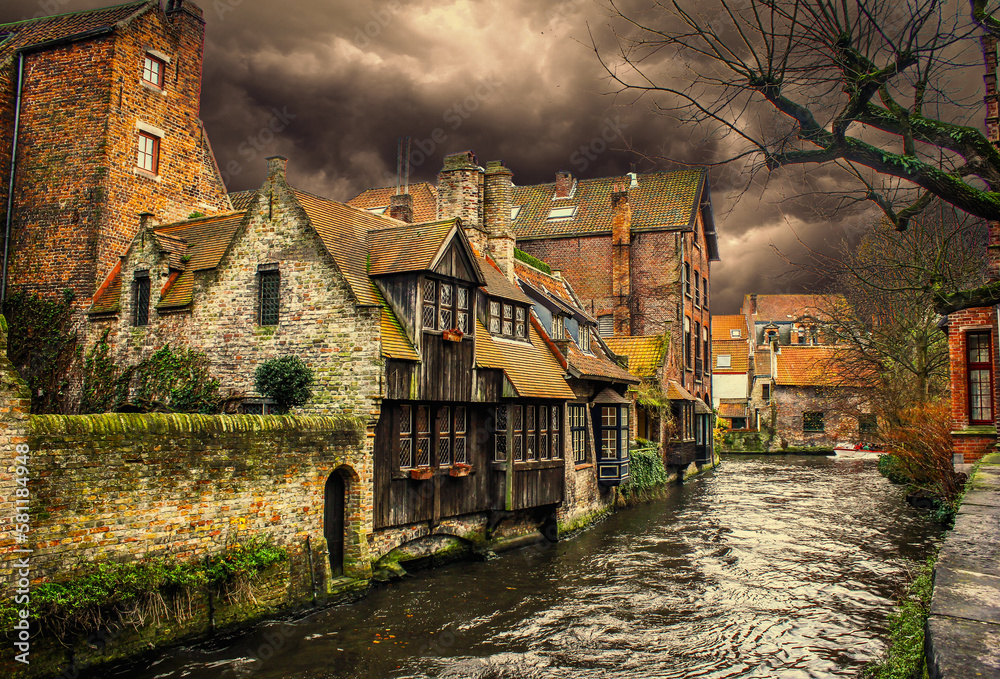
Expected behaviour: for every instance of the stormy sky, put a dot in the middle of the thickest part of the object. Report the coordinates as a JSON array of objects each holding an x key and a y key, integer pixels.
[{"x": 516, "y": 80}]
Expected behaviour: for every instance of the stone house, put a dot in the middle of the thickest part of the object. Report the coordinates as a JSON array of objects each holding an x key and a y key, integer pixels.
[
  {"x": 638, "y": 250},
  {"x": 99, "y": 118},
  {"x": 473, "y": 401}
]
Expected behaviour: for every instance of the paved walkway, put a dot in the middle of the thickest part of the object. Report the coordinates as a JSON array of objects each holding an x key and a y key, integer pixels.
[{"x": 963, "y": 630}]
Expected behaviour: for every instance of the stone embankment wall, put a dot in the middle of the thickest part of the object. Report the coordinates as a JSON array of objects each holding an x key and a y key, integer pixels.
[{"x": 963, "y": 628}]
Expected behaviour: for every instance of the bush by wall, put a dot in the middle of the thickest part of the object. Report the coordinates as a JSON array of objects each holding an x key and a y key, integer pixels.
[
  {"x": 647, "y": 473},
  {"x": 287, "y": 380}
]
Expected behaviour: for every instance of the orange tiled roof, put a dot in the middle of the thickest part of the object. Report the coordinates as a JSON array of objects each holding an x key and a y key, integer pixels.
[
  {"x": 344, "y": 231},
  {"x": 28, "y": 32},
  {"x": 738, "y": 352},
  {"x": 497, "y": 284},
  {"x": 407, "y": 247},
  {"x": 530, "y": 368},
  {"x": 762, "y": 364},
  {"x": 108, "y": 296},
  {"x": 645, "y": 354},
  {"x": 723, "y": 325},
  {"x": 424, "y": 200},
  {"x": 206, "y": 239},
  {"x": 787, "y": 308},
  {"x": 730, "y": 408},
  {"x": 662, "y": 200},
  {"x": 802, "y": 366},
  {"x": 395, "y": 343},
  {"x": 241, "y": 200},
  {"x": 675, "y": 392}
]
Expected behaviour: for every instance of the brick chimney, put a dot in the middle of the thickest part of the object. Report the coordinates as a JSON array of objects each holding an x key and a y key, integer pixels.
[
  {"x": 621, "y": 258},
  {"x": 460, "y": 194},
  {"x": 498, "y": 190},
  {"x": 401, "y": 207},
  {"x": 174, "y": 7},
  {"x": 564, "y": 184},
  {"x": 147, "y": 220},
  {"x": 753, "y": 303}
]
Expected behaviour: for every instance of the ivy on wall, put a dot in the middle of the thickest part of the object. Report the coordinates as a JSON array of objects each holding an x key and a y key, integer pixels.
[
  {"x": 174, "y": 380},
  {"x": 42, "y": 344}
]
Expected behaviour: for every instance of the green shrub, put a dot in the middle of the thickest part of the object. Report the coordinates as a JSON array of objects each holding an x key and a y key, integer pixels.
[
  {"x": 287, "y": 380},
  {"x": 905, "y": 656},
  {"x": 532, "y": 261},
  {"x": 891, "y": 468},
  {"x": 646, "y": 472}
]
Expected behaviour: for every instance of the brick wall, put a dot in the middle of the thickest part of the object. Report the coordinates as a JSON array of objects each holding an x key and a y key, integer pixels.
[
  {"x": 971, "y": 442},
  {"x": 585, "y": 261},
  {"x": 836, "y": 405},
  {"x": 78, "y": 189}
]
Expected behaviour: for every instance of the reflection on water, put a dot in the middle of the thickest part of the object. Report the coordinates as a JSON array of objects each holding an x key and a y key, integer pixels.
[{"x": 768, "y": 567}]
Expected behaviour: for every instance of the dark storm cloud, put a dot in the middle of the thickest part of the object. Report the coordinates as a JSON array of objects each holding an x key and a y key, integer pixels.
[{"x": 331, "y": 84}]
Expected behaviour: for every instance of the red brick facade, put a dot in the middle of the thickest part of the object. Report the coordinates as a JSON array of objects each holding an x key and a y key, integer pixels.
[
  {"x": 972, "y": 442},
  {"x": 78, "y": 189}
]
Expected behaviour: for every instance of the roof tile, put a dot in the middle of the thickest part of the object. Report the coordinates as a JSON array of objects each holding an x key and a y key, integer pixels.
[
  {"x": 531, "y": 368},
  {"x": 424, "y": 200},
  {"x": 645, "y": 354}
]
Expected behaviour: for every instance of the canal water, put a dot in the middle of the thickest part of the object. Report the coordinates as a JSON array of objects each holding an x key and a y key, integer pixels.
[{"x": 776, "y": 566}]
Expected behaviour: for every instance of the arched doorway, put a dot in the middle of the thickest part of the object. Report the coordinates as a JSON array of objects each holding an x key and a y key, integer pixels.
[{"x": 333, "y": 521}]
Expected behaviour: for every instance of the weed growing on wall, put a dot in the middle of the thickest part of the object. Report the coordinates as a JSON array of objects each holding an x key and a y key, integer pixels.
[
  {"x": 42, "y": 345},
  {"x": 286, "y": 380},
  {"x": 108, "y": 593},
  {"x": 646, "y": 473},
  {"x": 905, "y": 656}
]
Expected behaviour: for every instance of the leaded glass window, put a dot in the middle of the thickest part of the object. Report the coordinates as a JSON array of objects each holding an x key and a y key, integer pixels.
[
  {"x": 517, "y": 423},
  {"x": 430, "y": 307},
  {"x": 980, "y": 371},
  {"x": 520, "y": 331},
  {"x": 543, "y": 432},
  {"x": 405, "y": 437},
  {"x": 461, "y": 453},
  {"x": 141, "y": 287},
  {"x": 508, "y": 324},
  {"x": 495, "y": 318},
  {"x": 270, "y": 287},
  {"x": 500, "y": 433},
  {"x": 423, "y": 437}
]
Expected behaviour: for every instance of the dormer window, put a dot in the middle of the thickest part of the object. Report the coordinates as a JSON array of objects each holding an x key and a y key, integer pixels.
[
  {"x": 495, "y": 318},
  {"x": 515, "y": 211},
  {"x": 445, "y": 306},
  {"x": 508, "y": 320},
  {"x": 561, "y": 213},
  {"x": 735, "y": 333},
  {"x": 520, "y": 322},
  {"x": 585, "y": 339},
  {"x": 558, "y": 327}
]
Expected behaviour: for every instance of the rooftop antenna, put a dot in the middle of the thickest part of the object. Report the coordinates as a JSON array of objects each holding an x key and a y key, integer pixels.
[
  {"x": 407, "y": 190},
  {"x": 399, "y": 161}
]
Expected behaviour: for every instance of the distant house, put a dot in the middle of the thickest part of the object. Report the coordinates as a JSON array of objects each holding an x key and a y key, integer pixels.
[
  {"x": 493, "y": 408},
  {"x": 800, "y": 393},
  {"x": 731, "y": 372}
]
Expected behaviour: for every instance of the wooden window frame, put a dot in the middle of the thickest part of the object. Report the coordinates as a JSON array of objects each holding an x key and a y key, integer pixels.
[
  {"x": 687, "y": 279},
  {"x": 615, "y": 428},
  {"x": 161, "y": 79},
  {"x": 578, "y": 432},
  {"x": 973, "y": 367},
  {"x": 815, "y": 416},
  {"x": 152, "y": 153},
  {"x": 508, "y": 320},
  {"x": 697, "y": 288},
  {"x": 445, "y": 299},
  {"x": 452, "y": 428},
  {"x": 585, "y": 339}
]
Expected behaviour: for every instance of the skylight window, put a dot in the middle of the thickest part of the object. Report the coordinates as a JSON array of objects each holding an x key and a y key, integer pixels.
[
  {"x": 515, "y": 211},
  {"x": 735, "y": 333},
  {"x": 566, "y": 212},
  {"x": 724, "y": 361},
  {"x": 378, "y": 210}
]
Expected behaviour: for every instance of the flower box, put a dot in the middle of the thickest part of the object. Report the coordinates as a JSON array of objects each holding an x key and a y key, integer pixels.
[
  {"x": 460, "y": 470},
  {"x": 453, "y": 335},
  {"x": 421, "y": 473}
]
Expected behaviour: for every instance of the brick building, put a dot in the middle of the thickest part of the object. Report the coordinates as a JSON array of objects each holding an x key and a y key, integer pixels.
[
  {"x": 799, "y": 395},
  {"x": 638, "y": 250},
  {"x": 731, "y": 372},
  {"x": 482, "y": 391},
  {"x": 99, "y": 113},
  {"x": 972, "y": 351}
]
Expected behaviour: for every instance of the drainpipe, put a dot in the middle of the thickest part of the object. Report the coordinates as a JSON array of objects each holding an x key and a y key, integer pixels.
[{"x": 10, "y": 187}]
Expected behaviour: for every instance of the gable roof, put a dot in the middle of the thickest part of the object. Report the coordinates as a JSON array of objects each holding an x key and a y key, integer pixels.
[
  {"x": 497, "y": 284},
  {"x": 661, "y": 201},
  {"x": 722, "y": 325},
  {"x": 532, "y": 370},
  {"x": 645, "y": 354},
  {"x": 424, "y": 196},
  {"x": 408, "y": 247},
  {"x": 787, "y": 308},
  {"x": 73, "y": 25},
  {"x": 738, "y": 352}
]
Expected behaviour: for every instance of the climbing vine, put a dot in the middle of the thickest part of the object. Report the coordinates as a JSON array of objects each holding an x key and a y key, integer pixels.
[
  {"x": 177, "y": 380},
  {"x": 646, "y": 470},
  {"x": 42, "y": 345}
]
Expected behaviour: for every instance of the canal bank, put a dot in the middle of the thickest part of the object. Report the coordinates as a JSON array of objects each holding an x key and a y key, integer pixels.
[
  {"x": 768, "y": 566},
  {"x": 963, "y": 629}
]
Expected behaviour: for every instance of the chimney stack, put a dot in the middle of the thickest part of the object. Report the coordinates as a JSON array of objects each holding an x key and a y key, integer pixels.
[
  {"x": 460, "y": 194},
  {"x": 401, "y": 207},
  {"x": 753, "y": 303},
  {"x": 276, "y": 166},
  {"x": 621, "y": 258},
  {"x": 564, "y": 184},
  {"x": 147, "y": 220},
  {"x": 498, "y": 190}
]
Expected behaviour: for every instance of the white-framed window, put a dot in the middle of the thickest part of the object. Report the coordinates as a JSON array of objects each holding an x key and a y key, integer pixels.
[
  {"x": 153, "y": 70},
  {"x": 723, "y": 361},
  {"x": 585, "y": 338},
  {"x": 735, "y": 333},
  {"x": 148, "y": 157},
  {"x": 558, "y": 327}
]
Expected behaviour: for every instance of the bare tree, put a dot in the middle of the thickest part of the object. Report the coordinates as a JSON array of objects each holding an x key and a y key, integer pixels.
[
  {"x": 879, "y": 89},
  {"x": 885, "y": 321}
]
